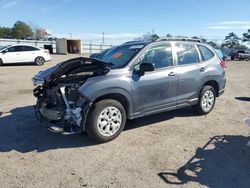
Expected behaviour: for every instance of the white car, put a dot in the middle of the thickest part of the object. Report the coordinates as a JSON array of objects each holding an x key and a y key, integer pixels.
[{"x": 23, "y": 53}]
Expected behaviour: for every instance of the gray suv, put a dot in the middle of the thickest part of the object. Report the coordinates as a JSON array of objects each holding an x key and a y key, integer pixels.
[{"x": 132, "y": 80}]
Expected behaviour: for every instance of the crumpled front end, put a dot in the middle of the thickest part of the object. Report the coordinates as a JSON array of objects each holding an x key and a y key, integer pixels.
[{"x": 60, "y": 106}]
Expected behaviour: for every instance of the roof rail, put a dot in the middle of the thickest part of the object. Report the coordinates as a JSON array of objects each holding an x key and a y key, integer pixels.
[
  {"x": 133, "y": 41},
  {"x": 178, "y": 39}
]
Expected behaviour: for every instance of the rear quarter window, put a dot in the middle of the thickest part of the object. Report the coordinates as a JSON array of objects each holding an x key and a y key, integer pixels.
[{"x": 205, "y": 53}]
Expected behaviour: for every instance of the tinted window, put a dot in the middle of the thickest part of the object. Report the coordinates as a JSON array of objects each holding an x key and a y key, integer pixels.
[
  {"x": 24, "y": 48},
  {"x": 17, "y": 49},
  {"x": 205, "y": 52},
  {"x": 31, "y": 48},
  {"x": 160, "y": 56},
  {"x": 12, "y": 49},
  {"x": 187, "y": 54}
]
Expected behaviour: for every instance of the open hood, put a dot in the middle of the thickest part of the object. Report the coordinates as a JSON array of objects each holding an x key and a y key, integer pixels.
[{"x": 70, "y": 67}]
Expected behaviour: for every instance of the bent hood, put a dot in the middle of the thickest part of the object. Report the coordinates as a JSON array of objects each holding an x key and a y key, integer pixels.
[{"x": 72, "y": 66}]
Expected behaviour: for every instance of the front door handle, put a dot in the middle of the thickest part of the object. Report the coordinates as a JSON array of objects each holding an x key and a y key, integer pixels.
[{"x": 172, "y": 74}]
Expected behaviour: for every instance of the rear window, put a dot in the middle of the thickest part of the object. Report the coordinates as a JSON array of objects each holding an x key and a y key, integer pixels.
[
  {"x": 205, "y": 53},
  {"x": 187, "y": 54}
]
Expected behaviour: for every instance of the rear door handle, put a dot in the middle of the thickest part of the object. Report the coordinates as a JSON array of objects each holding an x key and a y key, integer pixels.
[
  {"x": 203, "y": 69},
  {"x": 172, "y": 74}
]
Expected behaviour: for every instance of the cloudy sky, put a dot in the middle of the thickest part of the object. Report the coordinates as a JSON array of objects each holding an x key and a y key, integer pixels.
[{"x": 123, "y": 20}]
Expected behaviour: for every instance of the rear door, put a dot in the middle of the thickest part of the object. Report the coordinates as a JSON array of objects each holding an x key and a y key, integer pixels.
[
  {"x": 189, "y": 72},
  {"x": 29, "y": 53}
]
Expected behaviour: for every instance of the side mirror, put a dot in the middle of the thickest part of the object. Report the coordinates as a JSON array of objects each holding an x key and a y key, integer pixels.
[{"x": 146, "y": 67}]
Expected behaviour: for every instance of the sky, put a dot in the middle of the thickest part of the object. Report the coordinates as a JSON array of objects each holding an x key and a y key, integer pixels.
[{"x": 124, "y": 20}]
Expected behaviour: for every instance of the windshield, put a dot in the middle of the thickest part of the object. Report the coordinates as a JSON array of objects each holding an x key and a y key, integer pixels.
[
  {"x": 121, "y": 55},
  {"x": 2, "y": 47}
]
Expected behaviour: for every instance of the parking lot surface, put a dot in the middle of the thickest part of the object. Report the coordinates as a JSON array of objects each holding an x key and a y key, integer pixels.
[{"x": 172, "y": 149}]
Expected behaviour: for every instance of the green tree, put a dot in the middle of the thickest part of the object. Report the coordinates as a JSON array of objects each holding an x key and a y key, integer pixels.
[
  {"x": 242, "y": 46},
  {"x": 231, "y": 40},
  {"x": 148, "y": 37},
  {"x": 213, "y": 44},
  {"x": 154, "y": 37},
  {"x": 6, "y": 32},
  {"x": 246, "y": 36},
  {"x": 22, "y": 31}
]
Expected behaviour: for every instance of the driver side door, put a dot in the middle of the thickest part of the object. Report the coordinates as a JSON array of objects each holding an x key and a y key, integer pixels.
[
  {"x": 12, "y": 55},
  {"x": 155, "y": 91}
]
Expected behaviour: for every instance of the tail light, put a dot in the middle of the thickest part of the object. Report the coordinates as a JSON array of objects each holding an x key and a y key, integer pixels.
[{"x": 223, "y": 64}]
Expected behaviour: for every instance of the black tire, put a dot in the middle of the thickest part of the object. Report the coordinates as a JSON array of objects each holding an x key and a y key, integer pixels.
[
  {"x": 39, "y": 61},
  {"x": 92, "y": 120},
  {"x": 198, "y": 108},
  {"x": 1, "y": 62}
]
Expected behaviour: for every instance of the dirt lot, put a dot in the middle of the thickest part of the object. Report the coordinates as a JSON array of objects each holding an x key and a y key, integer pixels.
[{"x": 174, "y": 149}]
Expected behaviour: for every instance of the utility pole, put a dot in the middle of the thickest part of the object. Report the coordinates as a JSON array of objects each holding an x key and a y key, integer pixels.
[
  {"x": 70, "y": 35},
  {"x": 153, "y": 31},
  {"x": 103, "y": 38}
]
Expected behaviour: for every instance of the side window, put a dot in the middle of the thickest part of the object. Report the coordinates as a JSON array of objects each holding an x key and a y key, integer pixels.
[
  {"x": 24, "y": 48},
  {"x": 12, "y": 49},
  {"x": 205, "y": 52},
  {"x": 186, "y": 54},
  {"x": 31, "y": 48},
  {"x": 18, "y": 48},
  {"x": 160, "y": 56}
]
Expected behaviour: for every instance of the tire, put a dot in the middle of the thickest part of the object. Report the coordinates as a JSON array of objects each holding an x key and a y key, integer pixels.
[
  {"x": 39, "y": 61},
  {"x": 206, "y": 102},
  {"x": 1, "y": 62},
  {"x": 111, "y": 128}
]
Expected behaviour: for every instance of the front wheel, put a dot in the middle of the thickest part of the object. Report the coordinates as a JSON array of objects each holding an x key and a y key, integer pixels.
[
  {"x": 106, "y": 120},
  {"x": 39, "y": 61},
  {"x": 1, "y": 62},
  {"x": 206, "y": 101}
]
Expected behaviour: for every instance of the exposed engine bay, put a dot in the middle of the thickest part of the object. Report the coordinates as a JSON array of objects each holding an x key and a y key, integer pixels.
[{"x": 60, "y": 105}]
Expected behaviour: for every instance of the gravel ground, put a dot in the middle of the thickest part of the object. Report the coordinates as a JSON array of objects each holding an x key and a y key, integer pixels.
[{"x": 173, "y": 149}]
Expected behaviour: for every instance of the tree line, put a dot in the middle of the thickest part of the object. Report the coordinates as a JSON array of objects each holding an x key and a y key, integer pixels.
[
  {"x": 230, "y": 41},
  {"x": 22, "y": 30}
]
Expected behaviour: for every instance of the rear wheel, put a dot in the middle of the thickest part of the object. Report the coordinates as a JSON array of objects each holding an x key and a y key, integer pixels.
[
  {"x": 39, "y": 61},
  {"x": 1, "y": 62},
  {"x": 106, "y": 120},
  {"x": 206, "y": 101}
]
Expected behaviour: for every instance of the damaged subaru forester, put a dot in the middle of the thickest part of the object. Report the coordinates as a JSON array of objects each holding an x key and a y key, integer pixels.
[{"x": 132, "y": 80}]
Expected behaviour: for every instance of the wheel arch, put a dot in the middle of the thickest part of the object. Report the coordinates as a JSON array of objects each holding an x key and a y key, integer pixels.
[
  {"x": 38, "y": 57},
  {"x": 212, "y": 83},
  {"x": 1, "y": 61},
  {"x": 119, "y": 96}
]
